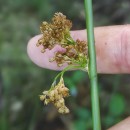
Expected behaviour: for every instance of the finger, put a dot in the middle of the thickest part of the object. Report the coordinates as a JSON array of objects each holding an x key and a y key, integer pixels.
[
  {"x": 123, "y": 125},
  {"x": 112, "y": 49},
  {"x": 42, "y": 59}
]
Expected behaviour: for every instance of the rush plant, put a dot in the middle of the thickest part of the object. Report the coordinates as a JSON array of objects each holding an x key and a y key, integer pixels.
[{"x": 76, "y": 54}]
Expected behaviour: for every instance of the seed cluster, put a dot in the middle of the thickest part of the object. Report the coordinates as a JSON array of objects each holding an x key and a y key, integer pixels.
[
  {"x": 75, "y": 54},
  {"x": 56, "y": 96},
  {"x": 58, "y": 32},
  {"x": 55, "y": 32}
]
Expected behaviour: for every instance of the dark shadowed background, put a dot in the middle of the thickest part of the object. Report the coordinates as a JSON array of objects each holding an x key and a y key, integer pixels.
[{"x": 21, "y": 81}]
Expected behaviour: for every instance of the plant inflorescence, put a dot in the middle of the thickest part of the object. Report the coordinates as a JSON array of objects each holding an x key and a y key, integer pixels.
[{"x": 75, "y": 54}]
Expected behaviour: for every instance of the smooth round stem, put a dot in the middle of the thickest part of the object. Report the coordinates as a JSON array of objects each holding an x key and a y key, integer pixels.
[{"x": 92, "y": 66}]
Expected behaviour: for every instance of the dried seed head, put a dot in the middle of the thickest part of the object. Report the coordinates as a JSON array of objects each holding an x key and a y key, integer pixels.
[
  {"x": 75, "y": 53},
  {"x": 52, "y": 93},
  {"x": 42, "y": 97},
  {"x": 56, "y": 96},
  {"x": 54, "y": 32},
  {"x": 55, "y": 92},
  {"x": 81, "y": 46},
  {"x": 63, "y": 110},
  {"x": 61, "y": 100},
  {"x": 45, "y": 93},
  {"x": 58, "y": 105},
  {"x": 52, "y": 99},
  {"x": 57, "y": 32},
  {"x": 46, "y": 101},
  {"x": 66, "y": 110}
]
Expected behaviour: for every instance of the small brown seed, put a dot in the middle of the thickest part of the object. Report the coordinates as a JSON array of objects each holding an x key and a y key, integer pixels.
[
  {"x": 61, "y": 110},
  {"x": 42, "y": 97},
  {"x": 62, "y": 101}
]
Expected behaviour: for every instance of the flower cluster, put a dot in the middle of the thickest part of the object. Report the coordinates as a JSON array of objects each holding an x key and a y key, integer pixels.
[
  {"x": 55, "y": 32},
  {"x": 56, "y": 96},
  {"x": 58, "y": 33},
  {"x": 75, "y": 54}
]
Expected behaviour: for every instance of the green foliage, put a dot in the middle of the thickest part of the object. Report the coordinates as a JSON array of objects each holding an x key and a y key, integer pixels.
[
  {"x": 117, "y": 105},
  {"x": 80, "y": 125},
  {"x": 78, "y": 76},
  {"x": 109, "y": 120},
  {"x": 83, "y": 113},
  {"x": 83, "y": 121},
  {"x": 71, "y": 85}
]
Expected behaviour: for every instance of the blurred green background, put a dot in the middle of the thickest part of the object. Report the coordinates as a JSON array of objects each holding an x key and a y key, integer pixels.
[{"x": 21, "y": 81}]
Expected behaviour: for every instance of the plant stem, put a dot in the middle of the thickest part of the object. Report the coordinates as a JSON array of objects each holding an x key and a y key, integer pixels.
[{"x": 92, "y": 66}]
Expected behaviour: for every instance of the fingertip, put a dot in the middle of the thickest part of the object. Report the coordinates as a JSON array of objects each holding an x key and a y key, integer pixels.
[
  {"x": 42, "y": 59},
  {"x": 33, "y": 51}
]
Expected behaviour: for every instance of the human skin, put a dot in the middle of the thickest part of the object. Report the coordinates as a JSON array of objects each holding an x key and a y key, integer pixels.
[
  {"x": 112, "y": 50},
  {"x": 123, "y": 125},
  {"x": 112, "y": 54}
]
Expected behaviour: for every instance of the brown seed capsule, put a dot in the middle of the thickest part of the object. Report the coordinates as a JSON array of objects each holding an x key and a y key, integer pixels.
[
  {"x": 62, "y": 101},
  {"x": 65, "y": 94},
  {"x": 37, "y": 44},
  {"x": 52, "y": 98},
  {"x": 57, "y": 97},
  {"x": 61, "y": 110},
  {"x": 66, "y": 110},
  {"x": 44, "y": 23},
  {"x": 51, "y": 59},
  {"x": 43, "y": 50},
  {"x": 58, "y": 104},
  {"x": 46, "y": 101},
  {"x": 59, "y": 65},
  {"x": 45, "y": 92},
  {"x": 42, "y": 97},
  {"x": 55, "y": 92},
  {"x": 52, "y": 93}
]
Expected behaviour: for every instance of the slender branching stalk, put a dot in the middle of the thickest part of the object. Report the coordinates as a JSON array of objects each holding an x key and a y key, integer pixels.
[{"x": 92, "y": 66}]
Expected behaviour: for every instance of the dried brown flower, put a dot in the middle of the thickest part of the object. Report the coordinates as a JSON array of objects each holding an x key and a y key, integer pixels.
[
  {"x": 75, "y": 54},
  {"x": 57, "y": 32},
  {"x": 56, "y": 96}
]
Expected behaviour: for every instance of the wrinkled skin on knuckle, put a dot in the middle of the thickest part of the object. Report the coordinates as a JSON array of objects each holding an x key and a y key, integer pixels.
[{"x": 122, "y": 57}]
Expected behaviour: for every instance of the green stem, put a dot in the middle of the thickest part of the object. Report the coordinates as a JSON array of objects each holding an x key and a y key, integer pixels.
[
  {"x": 92, "y": 66},
  {"x": 62, "y": 73}
]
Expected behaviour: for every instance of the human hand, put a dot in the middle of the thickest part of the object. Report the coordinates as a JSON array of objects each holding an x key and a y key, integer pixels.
[
  {"x": 112, "y": 54},
  {"x": 112, "y": 49}
]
